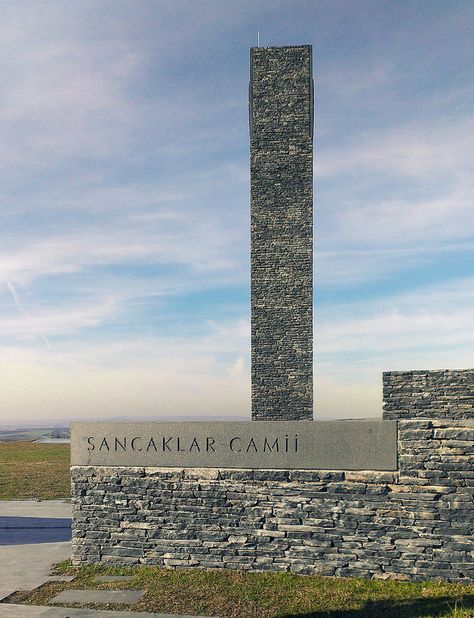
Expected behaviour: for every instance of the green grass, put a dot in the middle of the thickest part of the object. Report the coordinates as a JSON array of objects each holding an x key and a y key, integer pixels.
[
  {"x": 233, "y": 594},
  {"x": 34, "y": 471}
]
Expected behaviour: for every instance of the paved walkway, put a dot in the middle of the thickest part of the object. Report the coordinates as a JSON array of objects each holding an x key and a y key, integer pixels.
[
  {"x": 26, "y": 562},
  {"x": 29, "y": 546}
]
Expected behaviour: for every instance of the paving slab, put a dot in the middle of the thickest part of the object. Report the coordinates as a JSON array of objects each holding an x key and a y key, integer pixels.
[
  {"x": 113, "y": 578},
  {"x": 36, "y": 508},
  {"x": 35, "y": 611},
  {"x": 25, "y": 566},
  {"x": 127, "y": 597}
]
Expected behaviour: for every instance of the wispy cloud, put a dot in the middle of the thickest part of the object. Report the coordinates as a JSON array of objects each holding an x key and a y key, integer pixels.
[
  {"x": 65, "y": 321},
  {"x": 395, "y": 201},
  {"x": 427, "y": 148},
  {"x": 355, "y": 267},
  {"x": 30, "y": 325},
  {"x": 432, "y": 325}
]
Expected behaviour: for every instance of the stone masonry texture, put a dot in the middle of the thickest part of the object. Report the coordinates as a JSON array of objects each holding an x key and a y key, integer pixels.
[
  {"x": 416, "y": 523},
  {"x": 444, "y": 393},
  {"x": 281, "y": 170}
]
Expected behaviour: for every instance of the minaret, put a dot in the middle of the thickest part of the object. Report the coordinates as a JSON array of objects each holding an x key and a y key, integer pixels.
[{"x": 281, "y": 172}]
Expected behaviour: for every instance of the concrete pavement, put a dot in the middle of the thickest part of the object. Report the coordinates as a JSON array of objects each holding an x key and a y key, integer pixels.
[
  {"x": 32, "y": 508},
  {"x": 27, "y": 565}
]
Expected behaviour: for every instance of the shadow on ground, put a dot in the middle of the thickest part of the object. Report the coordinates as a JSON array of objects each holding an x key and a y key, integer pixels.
[
  {"x": 416, "y": 608},
  {"x": 30, "y": 530}
]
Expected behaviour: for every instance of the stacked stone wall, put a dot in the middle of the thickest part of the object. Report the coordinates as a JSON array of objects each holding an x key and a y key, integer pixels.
[
  {"x": 447, "y": 393},
  {"x": 281, "y": 195},
  {"x": 416, "y": 523}
]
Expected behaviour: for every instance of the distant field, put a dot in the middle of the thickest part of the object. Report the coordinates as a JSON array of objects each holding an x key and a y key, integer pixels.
[
  {"x": 34, "y": 471},
  {"x": 11, "y": 434}
]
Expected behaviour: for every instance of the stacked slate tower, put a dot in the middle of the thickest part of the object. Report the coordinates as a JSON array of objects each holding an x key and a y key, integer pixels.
[{"x": 281, "y": 172}]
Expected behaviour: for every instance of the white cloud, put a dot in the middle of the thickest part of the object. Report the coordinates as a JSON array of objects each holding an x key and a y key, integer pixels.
[
  {"x": 430, "y": 328},
  {"x": 87, "y": 83},
  {"x": 201, "y": 243},
  {"x": 66, "y": 321},
  {"x": 209, "y": 374},
  {"x": 433, "y": 324},
  {"x": 237, "y": 366},
  {"x": 397, "y": 200},
  {"x": 353, "y": 267}
]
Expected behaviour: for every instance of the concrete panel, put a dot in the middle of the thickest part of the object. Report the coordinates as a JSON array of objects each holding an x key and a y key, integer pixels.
[
  {"x": 323, "y": 445},
  {"x": 40, "y": 611},
  {"x": 126, "y": 597}
]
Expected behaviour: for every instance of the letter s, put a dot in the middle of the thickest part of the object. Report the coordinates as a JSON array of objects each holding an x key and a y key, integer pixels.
[{"x": 90, "y": 442}]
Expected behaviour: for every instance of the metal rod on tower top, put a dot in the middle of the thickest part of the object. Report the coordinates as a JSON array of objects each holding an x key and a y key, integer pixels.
[{"x": 258, "y": 38}]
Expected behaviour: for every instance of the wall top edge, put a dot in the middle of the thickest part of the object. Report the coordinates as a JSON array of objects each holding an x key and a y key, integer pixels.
[
  {"x": 278, "y": 47},
  {"x": 436, "y": 422},
  {"x": 425, "y": 371},
  {"x": 299, "y": 424}
]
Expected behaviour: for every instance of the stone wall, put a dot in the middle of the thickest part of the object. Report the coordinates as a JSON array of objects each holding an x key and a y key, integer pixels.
[
  {"x": 416, "y": 523},
  {"x": 445, "y": 393},
  {"x": 281, "y": 195}
]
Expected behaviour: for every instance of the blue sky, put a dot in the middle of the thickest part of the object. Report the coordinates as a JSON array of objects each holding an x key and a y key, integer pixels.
[{"x": 124, "y": 201}]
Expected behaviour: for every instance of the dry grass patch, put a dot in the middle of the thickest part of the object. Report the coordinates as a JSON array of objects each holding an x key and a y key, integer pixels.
[
  {"x": 34, "y": 471},
  {"x": 235, "y": 594}
]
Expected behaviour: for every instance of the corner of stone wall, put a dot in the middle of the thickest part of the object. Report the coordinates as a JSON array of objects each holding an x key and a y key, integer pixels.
[
  {"x": 435, "y": 492},
  {"x": 442, "y": 394}
]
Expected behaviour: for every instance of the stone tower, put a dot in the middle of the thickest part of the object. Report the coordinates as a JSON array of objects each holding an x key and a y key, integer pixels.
[{"x": 281, "y": 196}]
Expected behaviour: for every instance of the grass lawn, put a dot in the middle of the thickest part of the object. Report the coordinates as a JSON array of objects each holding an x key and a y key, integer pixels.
[
  {"x": 34, "y": 471},
  {"x": 233, "y": 594}
]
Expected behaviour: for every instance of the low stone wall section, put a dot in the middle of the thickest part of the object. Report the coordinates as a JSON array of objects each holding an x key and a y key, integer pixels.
[
  {"x": 416, "y": 523},
  {"x": 446, "y": 393}
]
